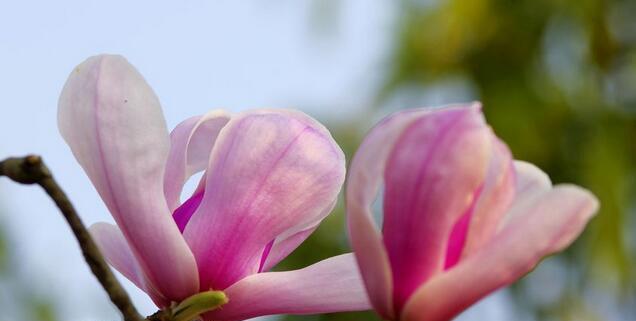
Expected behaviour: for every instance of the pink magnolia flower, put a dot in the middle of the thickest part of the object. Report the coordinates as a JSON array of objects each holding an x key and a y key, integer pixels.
[
  {"x": 461, "y": 218},
  {"x": 270, "y": 177}
]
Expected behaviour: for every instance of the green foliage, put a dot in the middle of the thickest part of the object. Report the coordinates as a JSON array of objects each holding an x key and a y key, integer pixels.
[{"x": 42, "y": 311}]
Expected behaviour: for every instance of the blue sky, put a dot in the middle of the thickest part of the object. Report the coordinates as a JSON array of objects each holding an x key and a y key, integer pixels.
[{"x": 197, "y": 55}]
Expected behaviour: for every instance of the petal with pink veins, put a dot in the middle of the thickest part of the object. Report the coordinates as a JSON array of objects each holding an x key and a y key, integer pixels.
[
  {"x": 269, "y": 172},
  {"x": 113, "y": 123},
  {"x": 331, "y": 285}
]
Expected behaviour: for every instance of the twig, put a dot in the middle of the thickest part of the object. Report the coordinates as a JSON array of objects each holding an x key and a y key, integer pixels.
[
  {"x": 161, "y": 315},
  {"x": 31, "y": 170}
]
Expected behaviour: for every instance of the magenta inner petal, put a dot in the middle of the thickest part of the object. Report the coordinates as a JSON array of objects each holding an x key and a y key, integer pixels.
[
  {"x": 457, "y": 241},
  {"x": 459, "y": 233},
  {"x": 266, "y": 251},
  {"x": 184, "y": 212}
]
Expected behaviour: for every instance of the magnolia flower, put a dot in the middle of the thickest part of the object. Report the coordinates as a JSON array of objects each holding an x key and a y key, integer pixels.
[
  {"x": 270, "y": 177},
  {"x": 461, "y": 218}
]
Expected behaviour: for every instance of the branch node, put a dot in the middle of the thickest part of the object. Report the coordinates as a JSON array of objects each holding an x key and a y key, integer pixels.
[{"x": 24, "y": 170}]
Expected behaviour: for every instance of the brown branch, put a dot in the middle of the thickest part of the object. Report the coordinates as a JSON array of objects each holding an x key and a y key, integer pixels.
[
  {"x": 31, "y": 170},
  {"x": 161, "y": 315}
]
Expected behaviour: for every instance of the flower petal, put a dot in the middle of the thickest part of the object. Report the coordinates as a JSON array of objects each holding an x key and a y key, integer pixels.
[
  {"x": 546, "y": 225},
  {"x": 269, "y": 173},
  {"x": 331, "y": 285},
  {"x": 112, "y": 244},
  {"x": 283, "y": 248},
  {"x": 531, "y": 182},
  {"x": 287, "y": 242},
  {"x": 494, "y": 201},
  {"x": 190, "y": 146},
  {"x": 183, "y": 213},
  {"x": 363, "y": 183},
  {"x": 113, "y": 123},
  {"x": 433, "y": 175}
]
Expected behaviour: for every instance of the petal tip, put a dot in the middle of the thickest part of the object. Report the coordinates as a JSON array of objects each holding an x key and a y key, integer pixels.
[
  {"x": 589, "y": 203},
  {"x": 98, "y": 60},
  {"x": 476, "y": 105}
]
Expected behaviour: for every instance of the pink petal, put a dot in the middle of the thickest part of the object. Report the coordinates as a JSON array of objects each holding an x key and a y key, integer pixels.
[
  {"x": 269, "y": 173},
  {"x": 457, "y": 239},
  {"x": 113, "y": 123},
  {"x": 281, "y": 249},
  {"x": 363, "y": 184},
  {"x": 494, "y": 201},
  {"x": 332, "y": 285},
  {"x": 546, "y": 225},
  {"x": 531, "y": 182},
  {"x": 190, "y": 146},
  {"x": 288, "y": 241},
  {"x": 112, "y": 244},
  {"x": 183, "y": 213},
  {"x": 433, "y": 175}
]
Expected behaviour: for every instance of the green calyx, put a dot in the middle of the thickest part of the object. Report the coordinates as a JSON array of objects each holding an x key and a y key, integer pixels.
[{"x": 198, "y": 304}]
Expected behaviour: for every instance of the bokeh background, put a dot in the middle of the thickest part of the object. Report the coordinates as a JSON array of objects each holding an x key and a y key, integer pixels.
[{"x": 557, "y": 79}]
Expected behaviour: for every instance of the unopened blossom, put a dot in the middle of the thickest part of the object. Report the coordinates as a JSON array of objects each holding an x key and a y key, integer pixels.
[
  {"x": 269, "y": 178},
  {"x": 461, "y": 218}
]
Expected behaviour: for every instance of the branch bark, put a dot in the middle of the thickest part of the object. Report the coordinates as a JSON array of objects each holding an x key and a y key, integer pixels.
[{"x": 32, "y": 170}]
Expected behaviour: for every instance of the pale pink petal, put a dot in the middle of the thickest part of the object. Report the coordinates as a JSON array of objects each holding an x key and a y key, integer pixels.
[
  {"x": 190, "y": 146},
  {"x": 113, "y": 246},
  {"x": 269, "y": 173},
  {"x": 531, "y": 183},
  {"x": 547, "y": 225},
  {"x": 113, "y": 123},
  {"x": 494, "y": 201},
  {"x": 363, "y": 183},
  {"x": 433, "y": 175},
  {"x": 332, "y": 285}
]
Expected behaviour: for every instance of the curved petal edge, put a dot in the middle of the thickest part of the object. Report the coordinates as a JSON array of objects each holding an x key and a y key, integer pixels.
[{"x": 331, "y": 285}]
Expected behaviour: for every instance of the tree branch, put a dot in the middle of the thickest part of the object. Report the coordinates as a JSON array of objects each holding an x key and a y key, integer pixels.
[{"x": 31, "y": 170}]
